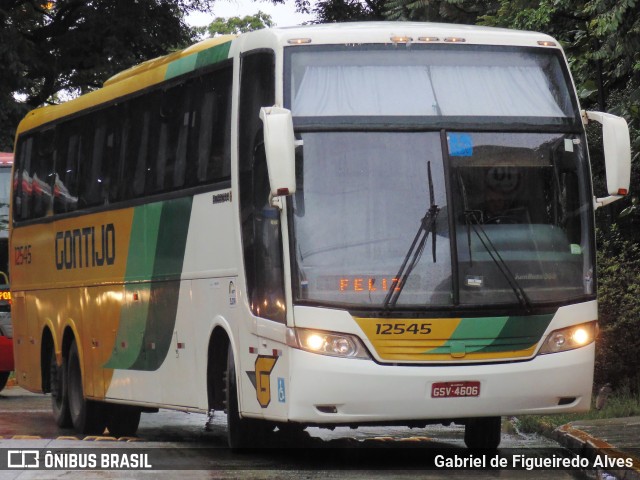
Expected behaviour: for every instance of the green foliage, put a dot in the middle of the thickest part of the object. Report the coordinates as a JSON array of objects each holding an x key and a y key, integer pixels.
[
  {"x": 452, "y": 11},
  {"x": 617, "y": 359},
  {"x": 74, "y": 45},
  {"x": 328, "y": 11},
  {"x": 625, "y": 402},
  {"x": 237, "y": 25}
]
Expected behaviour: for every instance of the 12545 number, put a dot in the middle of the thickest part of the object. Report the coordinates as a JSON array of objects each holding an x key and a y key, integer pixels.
[{"x": 402, "y": 328}]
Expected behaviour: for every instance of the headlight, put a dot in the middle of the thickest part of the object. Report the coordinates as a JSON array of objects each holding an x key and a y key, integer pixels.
[
  {"x": 569, "y": 338},
  {"x": 326, "y": 343}
]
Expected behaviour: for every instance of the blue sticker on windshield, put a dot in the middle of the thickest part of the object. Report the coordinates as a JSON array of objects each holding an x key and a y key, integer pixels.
[{"x": 460, "y": 144}]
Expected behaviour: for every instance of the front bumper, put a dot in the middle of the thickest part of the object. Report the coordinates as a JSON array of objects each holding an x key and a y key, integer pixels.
[{"x": 333, "y": 391}]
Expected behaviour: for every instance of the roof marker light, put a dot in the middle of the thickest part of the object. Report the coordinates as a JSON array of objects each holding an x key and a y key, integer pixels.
[
  {"x": 455, "y": 39},
  {"x": 401, "y": 39},
  {"x": 546, "y": 43},
  {"x": 428, "y": 39},
  {"x": 298, "y": 41}
]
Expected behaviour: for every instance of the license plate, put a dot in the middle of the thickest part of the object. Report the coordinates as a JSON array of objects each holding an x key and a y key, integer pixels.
[{"x": 455, "y": 389}]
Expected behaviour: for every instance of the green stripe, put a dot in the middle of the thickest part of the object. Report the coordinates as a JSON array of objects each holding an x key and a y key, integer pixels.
[
  {"x": 165, "y": 290},
  {"x": 201, "y": 59},
  {"x": 495, "y": 334},
  {"x": 156, "y": 253},
  {"x": 213, "y": 55}
]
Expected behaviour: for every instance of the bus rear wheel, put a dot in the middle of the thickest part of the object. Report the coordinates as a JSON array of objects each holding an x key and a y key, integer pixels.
[
  {"x": 483, "y": 433},
  {"x": 4, "y": 376},
  {"x": 88, "y": 417},
  {"x": 241, "y": 432},
  {"x": 59, "y": 391},
  {"x": 123, "y": 420}
]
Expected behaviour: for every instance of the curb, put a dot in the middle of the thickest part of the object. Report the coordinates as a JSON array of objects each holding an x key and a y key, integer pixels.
[{"x": 583, "y": 444}]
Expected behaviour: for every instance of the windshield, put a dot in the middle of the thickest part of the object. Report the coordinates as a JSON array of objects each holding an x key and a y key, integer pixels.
[
  {"x": 359, "y": 203},
  {"x": 399, "y": 206},
  {"x": 519, "y": 216}
]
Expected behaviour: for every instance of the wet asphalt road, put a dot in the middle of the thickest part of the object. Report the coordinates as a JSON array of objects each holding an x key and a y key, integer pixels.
[{"x": 184, "y": 442}]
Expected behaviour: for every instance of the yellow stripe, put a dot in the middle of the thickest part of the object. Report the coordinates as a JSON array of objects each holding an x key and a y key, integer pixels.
[
  {"x": 410, "y": 340},
  {"x": 407, "y": 339}
]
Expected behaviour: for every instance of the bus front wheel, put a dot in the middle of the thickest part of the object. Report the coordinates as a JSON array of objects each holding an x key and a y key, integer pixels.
[
  {"x": 88, "y": 417},
  {"x": 4, "y": 376},
  {"x": 483, "y": 433},
  {"x": 241, "y": 432},
  {"x": 59, "y": 391}
]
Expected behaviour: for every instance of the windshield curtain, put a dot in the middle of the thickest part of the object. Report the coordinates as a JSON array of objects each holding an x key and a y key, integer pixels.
[{"x": 429, "y": 81}]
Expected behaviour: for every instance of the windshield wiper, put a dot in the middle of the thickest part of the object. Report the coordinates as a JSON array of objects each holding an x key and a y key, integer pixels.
[
  {"x": 498, "y": 260},
  {"x": 472, "y": 221},
  {"x": 411, "y": 259}
]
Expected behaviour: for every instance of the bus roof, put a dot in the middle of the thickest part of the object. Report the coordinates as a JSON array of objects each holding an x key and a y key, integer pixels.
[
  {"x": 136, "y": 78},
  {"x": 216, "y": 49},
  {"x": 416, "y": 32}
]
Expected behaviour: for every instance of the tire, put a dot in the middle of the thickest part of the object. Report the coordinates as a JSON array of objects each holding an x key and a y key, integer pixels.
[
  {"x": 88, "y": 417},
  {"x": 483, "y": 433},
  {"x": 59, "y": 392},
  {"x": 122, "y": 420},
  {"x": 4, "y": 376},
  {"x": 242, "y": 433}
]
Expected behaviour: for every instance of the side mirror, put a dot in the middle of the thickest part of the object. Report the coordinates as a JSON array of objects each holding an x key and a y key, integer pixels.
[
  {"x": 617, "y": 155},
  {"x": 279, "y": 147}
]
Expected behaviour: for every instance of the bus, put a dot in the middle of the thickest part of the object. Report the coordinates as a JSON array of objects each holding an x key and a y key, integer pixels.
[
  {"x": 6, "y": 329},
  {"x": 329, "y": 225}
]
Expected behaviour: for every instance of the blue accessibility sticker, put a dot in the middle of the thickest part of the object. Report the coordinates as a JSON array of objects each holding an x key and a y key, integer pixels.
[
  {"x": 282, "y": 397},
  {"x": 460, "y": 144}
]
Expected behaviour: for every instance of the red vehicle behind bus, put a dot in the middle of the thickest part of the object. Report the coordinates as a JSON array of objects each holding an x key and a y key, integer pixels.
[{"x": 6, "y": 331}]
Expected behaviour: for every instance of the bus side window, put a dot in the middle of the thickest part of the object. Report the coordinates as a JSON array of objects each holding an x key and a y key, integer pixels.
[
  {"x": 41, "y": 173},
  {"x": 210, "y": 135},
  {"x": 22, "y": 180},
  {"x": 220, "y": 163},
  {"x": 260, "y": 222},
  {"x": 118, "y": 179},
  {"x": 136, "y": 148},
  {"x": 201, "y": 140},
  {"x": 171, "y": 153},
  {"x": 92, "y": 191},
  {"x": 65, "y": 185}
]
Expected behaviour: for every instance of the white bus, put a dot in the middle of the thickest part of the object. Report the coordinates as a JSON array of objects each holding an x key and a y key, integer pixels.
[{"x": 332, "y": 225}]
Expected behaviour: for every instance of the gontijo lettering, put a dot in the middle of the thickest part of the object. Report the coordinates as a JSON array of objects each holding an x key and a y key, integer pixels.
[{"x": 86, "y": 247}]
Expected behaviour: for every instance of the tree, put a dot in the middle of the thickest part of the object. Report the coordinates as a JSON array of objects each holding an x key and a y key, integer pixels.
[
  {"x": 451, "y": 11},
  {"x": 74, "y": 45},
  {"x": 237, "y": 25},
  {"x": 328, "y": 11}
]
